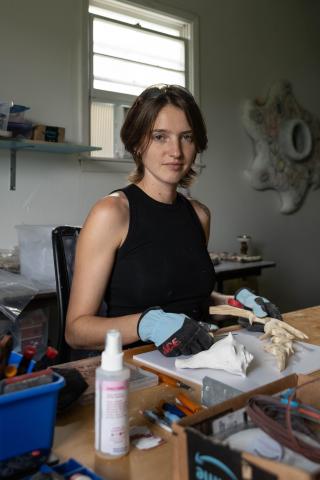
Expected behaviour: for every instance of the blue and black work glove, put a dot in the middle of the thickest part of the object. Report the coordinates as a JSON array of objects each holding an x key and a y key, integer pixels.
[
  {"x": 260, "y": 306},
  {"x": 173, "y": 334}
]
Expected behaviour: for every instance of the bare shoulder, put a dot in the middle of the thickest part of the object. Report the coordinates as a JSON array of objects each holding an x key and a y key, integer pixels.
[
  {"x": 110, "y": 208},
  {"x": 108, "y": 218},
  {"x": 204, "y": 215}
]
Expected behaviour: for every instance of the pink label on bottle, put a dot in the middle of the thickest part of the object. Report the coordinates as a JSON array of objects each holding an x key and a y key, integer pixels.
[
  {"x": 112, "y": 421},
  {"x": 118, "y": 385}
]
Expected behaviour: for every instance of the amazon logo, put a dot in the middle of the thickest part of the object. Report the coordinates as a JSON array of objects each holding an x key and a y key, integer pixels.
[{"x": 203, "y": 474}]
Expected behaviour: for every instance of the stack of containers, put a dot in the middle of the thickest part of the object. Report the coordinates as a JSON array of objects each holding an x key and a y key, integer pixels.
[{"x": 18, "y": 124}]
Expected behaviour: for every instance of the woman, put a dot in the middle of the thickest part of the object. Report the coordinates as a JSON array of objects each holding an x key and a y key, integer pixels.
[{"x": 143, "y": 248}]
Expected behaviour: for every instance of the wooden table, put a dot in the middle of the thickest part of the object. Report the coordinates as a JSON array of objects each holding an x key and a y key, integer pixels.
[
  {"x": 74, "y": 437},
  {"x": 74, "y": 433}
]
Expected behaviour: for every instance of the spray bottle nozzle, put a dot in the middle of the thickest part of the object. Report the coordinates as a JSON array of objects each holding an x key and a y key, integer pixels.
[
  {"x": 113, "y": 342},
  {"x": 112, "y": 354}
]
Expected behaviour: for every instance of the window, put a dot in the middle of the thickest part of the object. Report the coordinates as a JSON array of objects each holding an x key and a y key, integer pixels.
[{"x": 132, "y": 48}]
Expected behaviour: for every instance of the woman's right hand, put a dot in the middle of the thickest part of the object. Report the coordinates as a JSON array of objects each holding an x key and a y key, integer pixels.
[{"x": 173, "y": 334}]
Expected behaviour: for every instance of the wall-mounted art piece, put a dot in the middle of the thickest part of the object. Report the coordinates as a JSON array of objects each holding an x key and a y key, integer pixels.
[{"x": 286, "y": 140}]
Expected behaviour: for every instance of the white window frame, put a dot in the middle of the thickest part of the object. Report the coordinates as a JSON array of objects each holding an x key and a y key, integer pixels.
[{"x": 190, "y": 36}]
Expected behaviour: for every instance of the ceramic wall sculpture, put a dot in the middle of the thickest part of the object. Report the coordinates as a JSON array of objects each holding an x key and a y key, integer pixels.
[{"x": 286, "y": 141}]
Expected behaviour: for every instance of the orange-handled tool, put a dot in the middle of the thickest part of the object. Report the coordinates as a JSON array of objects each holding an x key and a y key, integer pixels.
[
  {"x": 184, "y": 409},
  {"x": 187, "y": 402},
  {"x": 172, "y": 381}
]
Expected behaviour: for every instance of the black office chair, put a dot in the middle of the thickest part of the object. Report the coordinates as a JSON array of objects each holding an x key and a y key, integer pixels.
[{"x": 64, "y": 240}]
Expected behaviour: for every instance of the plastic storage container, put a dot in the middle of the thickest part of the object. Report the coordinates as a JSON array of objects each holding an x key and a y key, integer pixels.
[
  {"x": 71, "y": 467},
  {"x": 27, "y": 419},
  {"x": 36, "y": 255},
  {"x": 17, "y": 124}
]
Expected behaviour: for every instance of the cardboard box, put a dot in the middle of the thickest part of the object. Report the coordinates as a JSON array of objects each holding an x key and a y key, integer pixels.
[
  {"x": 196, "y": 456},
  {"x": 47, "y": 133}
]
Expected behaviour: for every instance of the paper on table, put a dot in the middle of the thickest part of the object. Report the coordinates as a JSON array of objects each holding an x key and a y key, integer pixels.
[{"x": 261, "y": 371}]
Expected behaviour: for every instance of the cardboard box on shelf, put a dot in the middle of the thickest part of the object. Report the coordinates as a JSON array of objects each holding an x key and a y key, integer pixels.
[
  {"x": 197, "y": 456},
  {"x": 48, "y": 133}
]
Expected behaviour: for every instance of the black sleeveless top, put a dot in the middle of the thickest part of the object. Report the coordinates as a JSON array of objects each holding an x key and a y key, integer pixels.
[{"x": 163, "y": 260}]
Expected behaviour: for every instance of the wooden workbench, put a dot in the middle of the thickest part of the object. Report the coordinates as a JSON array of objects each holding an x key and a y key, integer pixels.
[
  {"x": 74, "y": 433},
  {"x": 307, "y": 320},
  {"x": 74, "y": 437}
]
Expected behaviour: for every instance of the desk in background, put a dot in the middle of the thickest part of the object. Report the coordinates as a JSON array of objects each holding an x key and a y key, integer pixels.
[
  {"x": 230, "y": 270},
  {"x": 74, "y": 434}
]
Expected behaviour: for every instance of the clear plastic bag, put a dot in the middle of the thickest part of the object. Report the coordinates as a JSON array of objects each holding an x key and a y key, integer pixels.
[
  {"x": 16, "y": 292},
  {"x": 9, "y": 259}
]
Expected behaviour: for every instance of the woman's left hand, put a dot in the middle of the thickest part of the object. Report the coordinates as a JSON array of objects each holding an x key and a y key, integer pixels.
[{"x": 260, "y": 306}]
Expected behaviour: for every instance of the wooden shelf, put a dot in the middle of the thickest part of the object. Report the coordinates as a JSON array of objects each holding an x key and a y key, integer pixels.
[{"x": 17, "y": 144}]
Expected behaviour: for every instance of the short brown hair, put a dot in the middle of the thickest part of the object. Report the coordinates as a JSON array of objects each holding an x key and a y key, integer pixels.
[{"x": 137, "y": 127}]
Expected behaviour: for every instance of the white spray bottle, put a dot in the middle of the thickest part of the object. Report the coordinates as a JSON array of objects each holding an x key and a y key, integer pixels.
[{"x": 111, "y": 400}]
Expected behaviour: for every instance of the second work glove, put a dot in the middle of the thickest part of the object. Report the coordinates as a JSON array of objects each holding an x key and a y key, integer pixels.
[
  {"x": 260, "y": 306},
  {"x": 173, "y": 334}
]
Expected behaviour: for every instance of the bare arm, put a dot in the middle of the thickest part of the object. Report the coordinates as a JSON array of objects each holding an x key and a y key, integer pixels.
[
  {"x": 102, "y": 234},
  {"x": 219, "y": 298}
]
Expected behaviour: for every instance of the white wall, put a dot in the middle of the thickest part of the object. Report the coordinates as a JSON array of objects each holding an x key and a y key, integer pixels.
[
  {"x": 245, "y": 45},
  {"x": 42, "y": 67}
]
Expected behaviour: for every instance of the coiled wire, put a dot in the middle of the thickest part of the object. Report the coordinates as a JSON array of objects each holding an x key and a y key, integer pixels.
[{"x": 280, "y": 420}]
